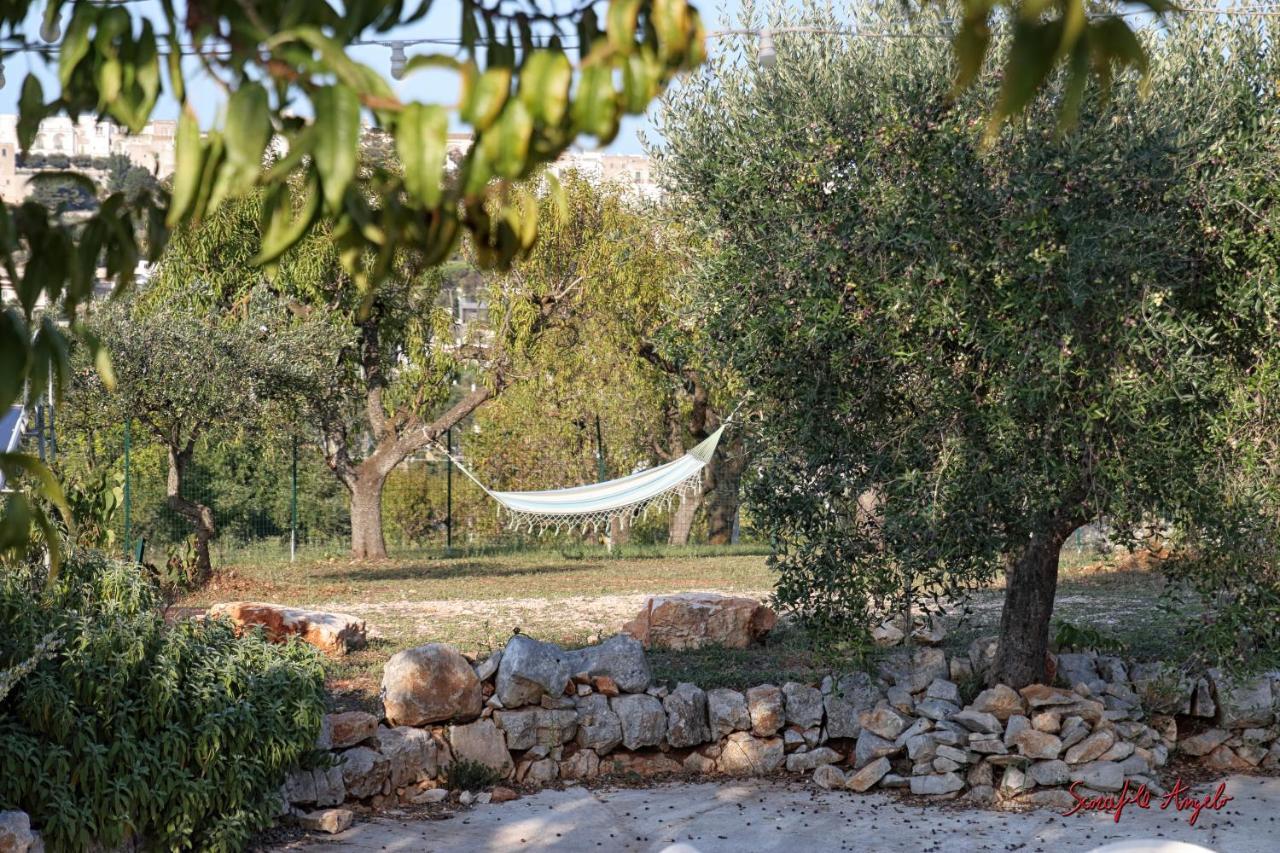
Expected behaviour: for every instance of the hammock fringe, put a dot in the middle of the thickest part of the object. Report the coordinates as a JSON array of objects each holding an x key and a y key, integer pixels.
[{"x": 597, "y": 522}]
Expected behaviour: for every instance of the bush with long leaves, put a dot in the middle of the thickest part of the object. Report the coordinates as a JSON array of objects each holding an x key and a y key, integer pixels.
[{"x": 177, "y": 736}]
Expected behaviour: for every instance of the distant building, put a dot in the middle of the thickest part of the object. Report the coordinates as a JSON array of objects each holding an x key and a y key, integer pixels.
[
  {"x": 83, "y": 140},
  {"x": 631, "y": 171}
]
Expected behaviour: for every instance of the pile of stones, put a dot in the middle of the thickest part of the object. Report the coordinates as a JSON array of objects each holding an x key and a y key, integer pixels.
[{"x": 536, "y": 714}]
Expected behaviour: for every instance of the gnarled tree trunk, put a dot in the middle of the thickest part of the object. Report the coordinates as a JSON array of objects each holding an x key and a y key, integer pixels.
[
  {"x": 682, "y": 520},
  {"x": 367, "y": 541},
  {"x": 1031, "y": 580},
  {"x": 722, "y": 479},
  {"x": 200, "y": 516}
]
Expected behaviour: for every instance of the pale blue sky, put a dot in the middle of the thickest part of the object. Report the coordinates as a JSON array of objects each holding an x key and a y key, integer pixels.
[{"x": 442, "y": 22}]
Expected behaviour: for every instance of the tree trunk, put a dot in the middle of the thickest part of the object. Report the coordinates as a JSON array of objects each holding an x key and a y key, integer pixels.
[
  {"x": 682, "y": 520},
  {"x": 1030, "y": 584},
  {"x": 367, "y": 542},
  {"x": 722, "y": 479},
  {"x": 200, "y": 516}
]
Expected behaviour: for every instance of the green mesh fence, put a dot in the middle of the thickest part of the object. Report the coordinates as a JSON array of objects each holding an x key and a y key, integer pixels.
[{"x": 275, "y": 499}]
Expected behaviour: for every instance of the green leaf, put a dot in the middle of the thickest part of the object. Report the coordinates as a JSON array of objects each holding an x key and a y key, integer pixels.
[
  {"x": 595, "y": 109},
  {"x": 421, "y": 132},
  {"x": 248, "y": 131},
  {"x": 15, "y": 355},
  {"x": 506, "y": 144},
  {"x": 621, "y": 25},
  {"x": 545, "y": 78},
  {"x": 337, "y": 139},
  {"x": 75, "y": 44},
  {"x": 284, "y": 227},
  {"x": 486, "y": 97},
  {"x": 31, "y": 111},
  {"x": 189, "y": 165},
  {"x": 1030, "y": 60}
]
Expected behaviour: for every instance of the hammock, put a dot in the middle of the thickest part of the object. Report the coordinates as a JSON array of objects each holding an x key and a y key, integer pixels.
[{"x": 594, "y": 507}]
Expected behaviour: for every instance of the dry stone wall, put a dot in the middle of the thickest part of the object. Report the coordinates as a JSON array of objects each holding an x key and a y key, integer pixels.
[{"x": 537, "y": 714}]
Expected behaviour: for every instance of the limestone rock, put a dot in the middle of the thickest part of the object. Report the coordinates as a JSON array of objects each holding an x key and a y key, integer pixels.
[
  {"x": 1091, "y": 747},
  {"x": 529, "y": 669},
  {"x": 852, "y": 694},
  {"x": 1057, "y": 799},
  {"x": 937, "y": 709},
  {"x": 887, "y": 634},
  {"x": 727, "y": 712},
  {"x": 940, "y": 688},
  {"x": 982, "y": 654},
  {"x": 349, "y": 728},
  {"x": 982, "y": 795},
  {"x": 803, "y": 704},
  {"x": 1047, "y": 721},
  {"x": 980, "y": 775},
  {"x": 1046, "y": 773},
  {"x": 410, "y": 752},
  {"x": 745, "y": 755},
  {"x": 870, "y": 747},
  {"x": 322, "y": 786},
  {"x": 431, "y": 795},
  {"x": 686, "y": 708},
  {"x": 868, "y": 776},
  {"x": 802, "y": 761},
  {"x": 1038, "y": 745},
  {"x": 528, "y": 727},
  {"x": 937, "y": 783},
  {"x": 1013, "y": 726},
  {"x": 829, "y": 777},
  {"x": 331, "y": 821},
  {"x": 1243, "y": 702},
  {"x": 502, "y": 794},
  {"x": 482, "y": 742},
  {"x": 429, "y": 684},
  {"x": 1014, "y": 781},
  {"x": 765, "y": 704},
  {"x": 978, "y": 721},
  {"x": 692, "y": 620},
  {"x": 883, "y": 721},
  {"x": 1100, "y": 775},
  {"x": 643, "y": 719},
  {"x": 1040, "y": 695},
  {"x": 1001, "y": 701},
  {"x": 488, "y": 667},
  {"x": 364, "y": 771},
  {"x": 333, "y": 633},
  {"x": 16, "y": 835},
  {"x": 599, "y": 728},
  {"x": 621, "y": 658},
  {"x": 1080, "y": 667},
  {"x": 1073, "y": 731},
  {"x": 1224, "y": 759}
]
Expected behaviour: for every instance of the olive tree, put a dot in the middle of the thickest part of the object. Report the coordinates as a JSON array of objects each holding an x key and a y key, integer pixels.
[
  {"x": 185, "y": 375},
  {"x": 962, "y": 353}
]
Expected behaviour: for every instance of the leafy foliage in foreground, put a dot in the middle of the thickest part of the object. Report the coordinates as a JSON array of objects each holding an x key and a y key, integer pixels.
[
  {"x": 176, "y": 735},
  {"x": 964, "y": 354}
]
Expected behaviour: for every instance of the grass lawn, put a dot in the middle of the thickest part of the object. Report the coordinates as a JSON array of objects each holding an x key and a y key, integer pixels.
[{"x": 575, "y": 597}]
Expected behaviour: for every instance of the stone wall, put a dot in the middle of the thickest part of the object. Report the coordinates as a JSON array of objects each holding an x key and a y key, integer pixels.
[{"x": 537, "y": 714}]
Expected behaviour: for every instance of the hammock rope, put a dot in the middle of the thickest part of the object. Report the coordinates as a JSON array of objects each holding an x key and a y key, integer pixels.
[{"x": 594, "y": 507}]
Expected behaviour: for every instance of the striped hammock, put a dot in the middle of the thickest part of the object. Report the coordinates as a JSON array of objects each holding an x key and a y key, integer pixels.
[{"x": 594, "y": 507}]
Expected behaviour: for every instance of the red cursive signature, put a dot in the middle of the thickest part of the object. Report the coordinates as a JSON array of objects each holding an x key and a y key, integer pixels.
[{"x": 1178, "y": 798}]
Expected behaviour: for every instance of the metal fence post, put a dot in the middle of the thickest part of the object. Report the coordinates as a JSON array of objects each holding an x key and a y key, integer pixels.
[
  {"x": 293, "y": 504},
  {"x": 128, "y": 488},
  {"x": 448, "y": 487}
]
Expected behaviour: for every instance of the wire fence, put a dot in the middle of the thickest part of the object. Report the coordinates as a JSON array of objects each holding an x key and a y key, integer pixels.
[{"x": 274, "y": 499}]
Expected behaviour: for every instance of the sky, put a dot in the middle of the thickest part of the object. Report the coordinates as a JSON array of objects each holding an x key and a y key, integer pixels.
[{"x": 440, "y": 87}]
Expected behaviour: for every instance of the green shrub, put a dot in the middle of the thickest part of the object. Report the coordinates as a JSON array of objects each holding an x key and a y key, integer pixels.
[
  {"x": 178, "y": 736},
  {"x": 468, "y": 775}
]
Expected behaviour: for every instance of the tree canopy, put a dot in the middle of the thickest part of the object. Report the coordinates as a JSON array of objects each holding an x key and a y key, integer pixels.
[{"x": 963, "y": 353}]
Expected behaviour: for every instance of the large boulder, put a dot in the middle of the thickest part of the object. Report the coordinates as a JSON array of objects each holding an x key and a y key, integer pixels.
[
  {"x": 643, "y": 719},
  {"x": 429, "y": 684},
  {"x": 620, "y": 657},
  {"x": 803, "y": 704},
  {"x": 529, "y": 669},
  {"x": 481, "y": 742},
  {"x": 692, "y": 620},
  {"x": 333, "y": 633},
  {"x": 529, "y": 727}
]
